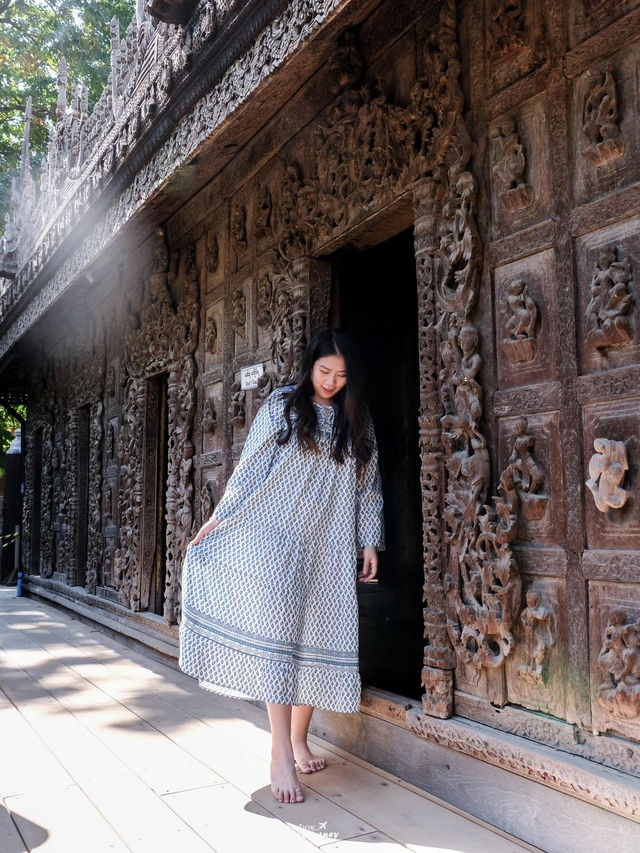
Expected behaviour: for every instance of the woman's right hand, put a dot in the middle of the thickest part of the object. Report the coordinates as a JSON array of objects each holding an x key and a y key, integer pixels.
[{"x": 206, "y": 528}]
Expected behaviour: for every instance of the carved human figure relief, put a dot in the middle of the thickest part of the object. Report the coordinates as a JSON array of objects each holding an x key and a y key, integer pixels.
[
  {"x": 211, "y": 335},
  {"x": 527, "y": 473},
  {"x": 619, "y": 661},
  {"x": 506, "y": 25},
  {"x": 508, "y": 167},
  {"x": 607, "y": 469},
  {"x": 520, "y": 341},
  {"x": 538, "y": 623},
  {"x": 604, "y": 141},
  {"x": 213, "y": 253},
  {"x": 239, "y": 313},
  {"x": 264, "y": 300},
  {"x": 207, "y": 499},
  {"x": 237, "y": 406},
  {"x": 609, "y": 321},
  {"x": 210, "y": 418},
  {"x": 262, "y": 213},
  {"x": 238, "y": 230}
]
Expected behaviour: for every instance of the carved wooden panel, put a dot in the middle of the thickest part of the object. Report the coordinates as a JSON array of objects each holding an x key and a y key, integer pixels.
[
  {"x": 608, "y": 265},
  {"x": 241, "y": 319},
  {"x": 604, "y": 106},
  {"x": 513, "y": 40},
  {"x": 519, "y": 167},
  {"x": 213, "y": 417},
  {"x": 587, "y": 17},
  {"x": 213, "y": 337},
  {"x": 614, "y": 640},
  {"x": 525, "y": 302},
  {"x": 531, "y": 447},
  {"x": 535, "y": 676},
  {"x": 618, "y": 528}
]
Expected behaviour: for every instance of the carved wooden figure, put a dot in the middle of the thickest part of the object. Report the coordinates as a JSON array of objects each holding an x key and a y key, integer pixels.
[
  {"x": 609, "y": 320},
  {"x": 619, "y": 660},
  {"x": 239, "y": 313},
  {"x": 528, "y": 474},
  {"x": 600, "y": 119},
  {"x": 520, "y": 341},
  {"x": 509, "y": 164},
  {"x": 607, "y": 469},
  {"x": 538, "y": 623}
]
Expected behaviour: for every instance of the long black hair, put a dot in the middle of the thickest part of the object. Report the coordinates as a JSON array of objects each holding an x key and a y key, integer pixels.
[{"x": 351, "y": 416}]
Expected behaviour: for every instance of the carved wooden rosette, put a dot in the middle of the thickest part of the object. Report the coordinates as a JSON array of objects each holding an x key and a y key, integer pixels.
[{"x": 164, "y": 342}]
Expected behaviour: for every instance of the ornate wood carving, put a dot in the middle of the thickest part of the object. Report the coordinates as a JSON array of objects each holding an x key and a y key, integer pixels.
[
  {"x": 607, "y": 469},
  {"x": 619, "y": 661},
  {"x": 163, "y": 338},
  {"x": 539, "y": 635},
  {"x": 520, "y": 341},
  {"x": 239, "y": 313},
  {"x": 600, "y": 119},
  {"x": 210, "y": 418},
  {"x": 238, "y": 230},
  {"x": 609, "y": 322},
  {"x": 237, "y": 407},
  {"x": 211, "y": 335},
  {"x": 507, "y": 25},
  {"x": 527, "y": 474},
  {"x": 213, "y": 253},
  {"x": 508, "y": 166},
  {"x": 262, "y": 213}
]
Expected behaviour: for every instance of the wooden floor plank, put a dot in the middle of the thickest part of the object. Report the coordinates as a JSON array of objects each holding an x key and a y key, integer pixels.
[
  {"x": 22, "y": 751},
  {"x": 142, "y": 716},
  {"x": 138, "y": 815},
  {"x": 232, "y": 823},
  {"x": 161, "y": 764},
  {"x": 62, "y": 821},
  {"x": 10, "y": 839}
]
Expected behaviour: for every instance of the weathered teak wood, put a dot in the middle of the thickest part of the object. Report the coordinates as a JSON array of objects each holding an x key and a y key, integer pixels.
[{"x": 161, "y": 761}]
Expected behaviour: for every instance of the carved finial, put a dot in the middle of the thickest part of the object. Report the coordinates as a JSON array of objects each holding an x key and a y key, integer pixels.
[
  {"x": 61, "y": 108},
  {"x": 607, "y": 469}
]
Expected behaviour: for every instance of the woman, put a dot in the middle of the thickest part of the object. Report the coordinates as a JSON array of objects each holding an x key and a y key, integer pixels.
[{"x": 269, "y": 590}]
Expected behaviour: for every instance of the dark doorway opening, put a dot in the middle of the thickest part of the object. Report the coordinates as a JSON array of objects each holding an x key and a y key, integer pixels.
[
  {"x": 375, "y": 301},
  {"x": 82, "y": 509},
  {"x": 154, "y": 525}
]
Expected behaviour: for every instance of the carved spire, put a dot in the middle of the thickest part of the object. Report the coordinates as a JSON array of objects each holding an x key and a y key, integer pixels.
[
  {"x": 115, "y": 59},
  {"x": 61, "y": 108}
]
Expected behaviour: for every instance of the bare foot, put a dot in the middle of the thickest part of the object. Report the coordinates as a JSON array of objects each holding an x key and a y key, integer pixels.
[
  {"x": 305, "y": 759},
  {"x": 284, "y": 782}
]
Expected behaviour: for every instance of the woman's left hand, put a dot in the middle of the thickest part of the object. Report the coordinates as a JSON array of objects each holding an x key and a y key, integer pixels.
[{"x": 370, "y": 566}]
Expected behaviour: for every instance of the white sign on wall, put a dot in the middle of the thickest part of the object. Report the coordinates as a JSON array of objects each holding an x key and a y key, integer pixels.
[{"x": 249, "y": 376}]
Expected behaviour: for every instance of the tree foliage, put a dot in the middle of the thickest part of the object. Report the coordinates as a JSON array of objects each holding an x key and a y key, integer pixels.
[
  {"x": 8, "y": 425},
  {"x": 34, "y": 35}
]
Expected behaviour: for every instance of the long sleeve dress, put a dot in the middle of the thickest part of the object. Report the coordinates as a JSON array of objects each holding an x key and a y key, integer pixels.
[{"x": 269, "y": 596}]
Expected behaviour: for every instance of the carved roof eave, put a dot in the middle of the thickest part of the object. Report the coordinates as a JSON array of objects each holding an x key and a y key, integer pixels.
[{"x": 73, "y": 224}]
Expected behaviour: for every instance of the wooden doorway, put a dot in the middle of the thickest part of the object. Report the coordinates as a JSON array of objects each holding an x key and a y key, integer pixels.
[
  {"x": 154, "y": 526},
  {"x": 374, "y": 300}
]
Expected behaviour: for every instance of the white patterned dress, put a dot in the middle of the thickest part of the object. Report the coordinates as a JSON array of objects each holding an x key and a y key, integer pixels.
[{"x": 269, "y": 596}]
